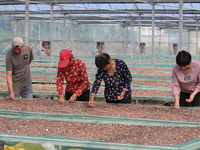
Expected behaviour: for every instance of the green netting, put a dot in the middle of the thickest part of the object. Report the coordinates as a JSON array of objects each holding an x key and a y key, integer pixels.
[
  {"x": 92, "y": 119},
  {"x": 129, "y": 65},
  {"x": 92, "y": 76},
  {"x": 93, "y": 73},
  {"x": 164, "y": 62},
  {"x": 133, "y": 97},
  {"x": 130, "y": 62},
  {"x": 67, "y": 143},
  {"x": 164, "y": 58},
  {"x": 133, "y": 86}
]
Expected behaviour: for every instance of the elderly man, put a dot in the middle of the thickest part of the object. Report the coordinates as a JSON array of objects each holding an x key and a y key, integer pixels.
[{"x": 18, "y": 73}]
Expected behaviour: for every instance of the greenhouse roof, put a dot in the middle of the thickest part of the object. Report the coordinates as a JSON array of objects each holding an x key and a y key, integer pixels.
[{"x": 123, "y": 12}]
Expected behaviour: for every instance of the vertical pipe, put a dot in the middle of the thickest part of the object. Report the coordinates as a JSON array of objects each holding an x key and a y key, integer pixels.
[
  {"x": 77, "y": 32},
  {"x": 139, "y": 38},
  {"x": 51, "y": 32},
  {"x": 197, "y": 40},
  {"x": 72, "y": 36},
  {"x": 126, "y": 40},
  {"x": 94, "y": 50},
  {"x": 15, "y": 28},
  {"x": 189, "y": 41},
  {"x": 77, "y": 37},
  {"x": 152, "y": 37},
  {"x": 109, "y": 39},
  {"x": 38, "y": 47},
  {"x": 160, "y": 42},
  {"x": 59, "y": 34},
  {"x": 132, "y": 53},
  {"x": 64, "y": 31},
  {"x": 169, "y": 44},
  {"x": 180, "y": 23},
  {"x": 123, "y": 40},
  {"x": 26, "y": 21}
]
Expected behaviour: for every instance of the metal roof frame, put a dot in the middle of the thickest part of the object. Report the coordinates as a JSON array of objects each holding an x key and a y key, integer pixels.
[
  {"x": 163, "y": 14},
  {"x": 82, "y": 12},
  {"x": 21, "y": 2},
  {"x": 101, "y": 15}
]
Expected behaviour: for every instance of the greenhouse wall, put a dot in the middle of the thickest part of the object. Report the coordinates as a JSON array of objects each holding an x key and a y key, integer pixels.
[{"x": 82, "y": 39}]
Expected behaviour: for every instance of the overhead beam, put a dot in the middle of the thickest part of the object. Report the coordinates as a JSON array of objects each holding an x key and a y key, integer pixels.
[
  {"x": 191, "y": 19},
  {"x": 50, "y": 2},
  {"x": 100, "y": 11}
]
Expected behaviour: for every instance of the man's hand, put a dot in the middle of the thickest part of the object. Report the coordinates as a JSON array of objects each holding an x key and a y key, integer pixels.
[
  {"x": 10, "y": 84},
  {"x": 61, "y": 99},
  {"x": 12, "y": 95}
]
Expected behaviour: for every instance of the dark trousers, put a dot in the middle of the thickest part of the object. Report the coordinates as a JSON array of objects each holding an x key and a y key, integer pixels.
[
  {"x": 125, "y": 101},
  {"x": 184, "y": 96},
  {"x": 84, "y": 96}
]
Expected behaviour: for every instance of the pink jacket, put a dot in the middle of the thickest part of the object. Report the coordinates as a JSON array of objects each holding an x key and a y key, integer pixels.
[{"x": 186, "y": 80}]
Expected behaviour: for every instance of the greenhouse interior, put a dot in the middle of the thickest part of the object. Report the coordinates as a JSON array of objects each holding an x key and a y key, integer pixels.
[{"x": 146, "y": 34}]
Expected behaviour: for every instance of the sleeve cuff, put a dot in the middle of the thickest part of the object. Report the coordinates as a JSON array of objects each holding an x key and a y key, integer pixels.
[{"x": 125, "y": 89}]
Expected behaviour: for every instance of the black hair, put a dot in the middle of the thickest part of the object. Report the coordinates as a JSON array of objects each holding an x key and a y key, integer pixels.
[
  {"x": 101, "y": 60},
  {"x": 183, "y": 58},
  {"x": 71, "y": 56}
]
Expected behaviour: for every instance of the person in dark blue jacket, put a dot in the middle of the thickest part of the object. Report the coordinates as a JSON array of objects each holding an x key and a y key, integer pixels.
[{"x": 117, "y": 77}]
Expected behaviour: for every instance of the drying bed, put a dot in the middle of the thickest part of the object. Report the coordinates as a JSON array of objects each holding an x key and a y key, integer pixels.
[{"x": 112, "y": 132}]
